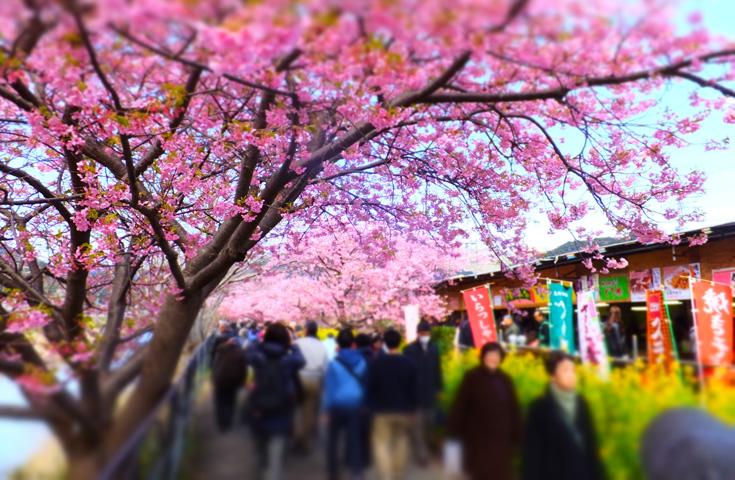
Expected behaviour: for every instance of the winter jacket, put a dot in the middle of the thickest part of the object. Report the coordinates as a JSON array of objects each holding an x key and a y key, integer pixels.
[
  {"x": 486, "y": 418},
  {"x": 465, "y": 338},
  {"x": 556, "y": 448},
  {"x": 341, "y": 387},
  {"x": 291, "y": 361},
  {"x": 428, "y": 371},
  {"x": 392, "y": 386},
  {"x": 315, "y": 354}
]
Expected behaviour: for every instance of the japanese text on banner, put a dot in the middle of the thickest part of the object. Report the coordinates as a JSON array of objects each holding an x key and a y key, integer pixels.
[
  {"x": 658, "y": 329},
  {"x": 480, "y": 312},
  {"x": 561, "y": 312},
  {"x": 713, "y": 320}
]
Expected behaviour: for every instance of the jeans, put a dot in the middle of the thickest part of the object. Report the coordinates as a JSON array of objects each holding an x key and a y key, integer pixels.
[
  {"x": 391, "y": 437},
  {"x": 271, "y": 451},
  {"x": 345, "y": 427}
]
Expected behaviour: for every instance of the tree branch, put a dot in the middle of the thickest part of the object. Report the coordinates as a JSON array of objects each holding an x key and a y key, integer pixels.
[
  {"x": 156, "y": 149},
  {"x": 19, "y": 413},
  {"x": 115, "y": 312},
  {"x": 40, "y": 188},
  {"x": 191, "y": 63}
]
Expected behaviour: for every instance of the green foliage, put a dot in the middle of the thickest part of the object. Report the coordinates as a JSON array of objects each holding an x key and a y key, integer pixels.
[
  {"x": 622, "y": 406},
  {"x": 443, "y": 337}
]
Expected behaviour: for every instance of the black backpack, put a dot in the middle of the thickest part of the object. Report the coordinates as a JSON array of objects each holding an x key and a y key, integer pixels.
[
  {"x": 271, "y": 392},
  {"x": 229, "y": 367}
]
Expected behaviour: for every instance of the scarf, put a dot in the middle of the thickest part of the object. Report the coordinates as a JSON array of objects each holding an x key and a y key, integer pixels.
[{"x": 567, "y": 402}]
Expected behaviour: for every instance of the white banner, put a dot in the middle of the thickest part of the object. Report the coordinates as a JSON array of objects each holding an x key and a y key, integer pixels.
[
  {"x": 591, "y": 340},
  {"x": 411, "y": 317}
]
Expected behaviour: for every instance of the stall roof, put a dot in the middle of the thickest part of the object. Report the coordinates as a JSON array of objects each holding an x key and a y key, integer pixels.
[{"x": 627, "y": 247}]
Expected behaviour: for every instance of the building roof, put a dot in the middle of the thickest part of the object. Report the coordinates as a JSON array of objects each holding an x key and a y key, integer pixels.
[{"x": 626, "y": 247}]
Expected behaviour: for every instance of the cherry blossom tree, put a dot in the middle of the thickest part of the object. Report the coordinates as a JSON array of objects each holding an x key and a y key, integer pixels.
[
  {"x": 148, "y": 146},
  {"x": 344, "y": 276}
]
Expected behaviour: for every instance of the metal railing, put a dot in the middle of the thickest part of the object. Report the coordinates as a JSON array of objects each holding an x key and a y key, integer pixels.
[{"x": 155, "y": 448}]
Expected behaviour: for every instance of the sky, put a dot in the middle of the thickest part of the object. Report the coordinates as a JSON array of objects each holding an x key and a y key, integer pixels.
[{"x": 716, "y": 201}]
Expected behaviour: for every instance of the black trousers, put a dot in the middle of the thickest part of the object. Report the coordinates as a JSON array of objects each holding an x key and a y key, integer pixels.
[{"x": 225, "y": 399}]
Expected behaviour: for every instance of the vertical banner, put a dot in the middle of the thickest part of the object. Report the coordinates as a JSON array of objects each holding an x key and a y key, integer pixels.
[
  {"x": 412, "y": 318},
  {"x": 591, "y": 341},
  {"x": 725, "y": 276},
  {"x": 561, "y": 314},
  {"x": 480, "y": 312},
  {"x": 713, "y": 320},
  {"x": 658, "y": 329}
]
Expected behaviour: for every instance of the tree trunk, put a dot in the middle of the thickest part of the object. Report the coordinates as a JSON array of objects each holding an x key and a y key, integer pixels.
[
  {"x": 84, "y": 465},
  {"x": 170, "y": 334}
]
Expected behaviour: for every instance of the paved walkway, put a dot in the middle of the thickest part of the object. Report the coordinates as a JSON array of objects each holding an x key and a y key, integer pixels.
[{"x": 229, "y": 456}]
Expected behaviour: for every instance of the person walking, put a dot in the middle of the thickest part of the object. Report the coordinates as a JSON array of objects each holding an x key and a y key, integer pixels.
[
  {"x": 425, "y": 356},
  {"x": 392, "y": 396},
  {"x": 559, "y": 438},
  {"x": 364, "y": 345},
  {"x": 271, "y": 403},
  {"x": 312, "y": 377},
  {"x": 486, "y": 418},
  {"x": 343, "y": 404},
  {"x": 228, "y": 375}
]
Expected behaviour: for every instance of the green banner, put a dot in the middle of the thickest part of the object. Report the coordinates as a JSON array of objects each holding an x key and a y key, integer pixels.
[
  {"x": 614, "y": 289},
  {"x": 561, "y": 314}
]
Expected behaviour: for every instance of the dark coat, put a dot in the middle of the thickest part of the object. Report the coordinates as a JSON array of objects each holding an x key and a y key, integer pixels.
[
  {"x": 228, "y": 366},
  {"x": 428, "y": 372},
  {"x": 465, "y": 334},
  {"x": 552, "y": 450},
  {"x": 486, "y": 418},
  {"x": 291, "y": 362},
  {"x": 614, "y": 340}
]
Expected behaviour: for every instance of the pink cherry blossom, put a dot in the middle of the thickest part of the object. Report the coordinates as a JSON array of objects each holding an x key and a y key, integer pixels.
[{"x": 150, "y": 147}]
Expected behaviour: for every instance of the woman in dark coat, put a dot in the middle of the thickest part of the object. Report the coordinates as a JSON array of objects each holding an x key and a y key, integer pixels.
[
  {"x": 486, "y": 418},
  {"x": 272, "y": 400},
  {"x": 559, "y": 440}
]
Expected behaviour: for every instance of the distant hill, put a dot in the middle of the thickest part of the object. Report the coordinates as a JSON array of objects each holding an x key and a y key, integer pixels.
[{"x": 573, "y": 246}]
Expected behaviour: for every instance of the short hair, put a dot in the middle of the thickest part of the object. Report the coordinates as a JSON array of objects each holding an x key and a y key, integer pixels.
[
  {"x": 392, "y": 338},
  {"x": 277, "y": 333},
  {"x": 345, "y": 338},
  {"x": 311, "y": 328},
  {"x": 423, "y": 326},
  {"x": 554, "y": 359},
  {"x": 363, "y": 340},
  {"x": 490, "y": 347}
]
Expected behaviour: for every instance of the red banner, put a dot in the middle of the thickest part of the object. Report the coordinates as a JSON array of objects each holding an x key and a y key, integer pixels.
[
  {"x": 658, "y": 328},
  {"x": 480, "y": 311},
  {"x": 713, "y": 319}
]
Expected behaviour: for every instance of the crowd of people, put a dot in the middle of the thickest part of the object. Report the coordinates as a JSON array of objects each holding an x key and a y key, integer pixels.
[{"x": 375, "y": 402}]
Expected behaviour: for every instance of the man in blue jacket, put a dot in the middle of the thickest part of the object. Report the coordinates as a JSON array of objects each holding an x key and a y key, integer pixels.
[{"x": 343, "y": 402}]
